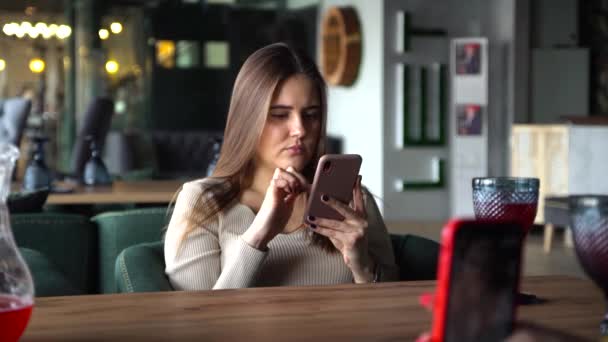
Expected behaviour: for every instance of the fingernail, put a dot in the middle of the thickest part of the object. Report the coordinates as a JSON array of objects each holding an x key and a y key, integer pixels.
[
  {"x": 426, "y": 300},
  {"x": 311, "y": 218},
  {"x": 324, "y": 198},
  {"x": 313, "y": 226},
  {"x": 424, "y": 338}
]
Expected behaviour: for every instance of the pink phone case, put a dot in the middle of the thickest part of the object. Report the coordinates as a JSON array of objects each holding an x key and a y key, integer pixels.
[{"x": 335, "y": 176}]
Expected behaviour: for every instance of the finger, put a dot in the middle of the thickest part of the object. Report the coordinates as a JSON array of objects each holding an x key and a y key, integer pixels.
[
  {"x": 328, "y": 223},
  {"x": 303, "y": 181},
  {"x": 338, "y": 206},
  {"x": 358, "y": 197},
  {"x": 294, "y": 183},
  {"x": 330, "y": 233},
  {"x": 427, "y": 300},
  {"x": 289, "y": 197},
  {"x": 280, "y": 184},
  {"x": 424, "y": 337}
]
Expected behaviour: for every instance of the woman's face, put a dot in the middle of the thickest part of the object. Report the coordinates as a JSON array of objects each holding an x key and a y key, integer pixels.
[{"x": 293, "y": 125}]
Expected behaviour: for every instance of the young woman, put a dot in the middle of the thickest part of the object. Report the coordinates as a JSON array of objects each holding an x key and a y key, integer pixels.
[{"x": 243, "y": 226}]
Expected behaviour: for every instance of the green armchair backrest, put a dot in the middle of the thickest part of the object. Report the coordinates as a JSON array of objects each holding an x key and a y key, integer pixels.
[
  {"x": 416, "y": 256},
  {"x": 141, "y": 267},
  {"x": 68, "y": 241},
  {"x": 121, "y": 229}
]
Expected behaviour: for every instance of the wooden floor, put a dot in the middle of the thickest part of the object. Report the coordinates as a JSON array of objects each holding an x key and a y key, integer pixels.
[{"x": 561, "y": 260}]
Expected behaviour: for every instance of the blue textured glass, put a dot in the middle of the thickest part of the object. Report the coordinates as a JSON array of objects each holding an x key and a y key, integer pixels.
[
  {"x": 589, "y": 223},
  {"x": 37, "y": 174},
  {"x": 95, "y": 171}
]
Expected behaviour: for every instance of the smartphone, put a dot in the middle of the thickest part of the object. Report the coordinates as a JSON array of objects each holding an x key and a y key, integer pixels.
[
  {"x": 335, "y": 176},
  {"x": 477, "y": 281}
]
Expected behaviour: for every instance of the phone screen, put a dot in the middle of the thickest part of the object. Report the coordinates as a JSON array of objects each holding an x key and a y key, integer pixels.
[{"x": 483, "y": 284}]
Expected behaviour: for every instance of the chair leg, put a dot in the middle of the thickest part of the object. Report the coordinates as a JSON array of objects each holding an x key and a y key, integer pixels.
[
  {"x": 568, "y": 242},
  {"x": 548, "y": 237}
]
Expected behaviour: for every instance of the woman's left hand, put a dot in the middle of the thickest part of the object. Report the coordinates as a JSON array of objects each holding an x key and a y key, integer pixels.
[{"x": 350, "y": 235}]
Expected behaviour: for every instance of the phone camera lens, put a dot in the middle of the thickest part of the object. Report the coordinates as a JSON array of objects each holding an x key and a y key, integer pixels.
[{"x": 326, "y": 166}]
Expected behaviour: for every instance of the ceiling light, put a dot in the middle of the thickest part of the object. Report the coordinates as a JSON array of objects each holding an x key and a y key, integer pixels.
[
  {"x": 116, "y": 27},
  {"x": 112, "y": 67},
  {"x": 53, "y": 29},
  {"x": 63, "y": 31},
  {"x": 33, "y": 32},
  {"x": 10, "y": 29},
  {"x": 36, "y": 65},
  {"x": 104, "y": 34},
  {"x": 19, "y": 32},
  {"x": 2, "y": 64},
  {"x": 40, "y": 27}
]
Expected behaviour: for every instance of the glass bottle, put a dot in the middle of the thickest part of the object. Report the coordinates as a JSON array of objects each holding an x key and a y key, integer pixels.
[
  {"x": 95, "y": 171},
  {"x": 16, "y": 285}
]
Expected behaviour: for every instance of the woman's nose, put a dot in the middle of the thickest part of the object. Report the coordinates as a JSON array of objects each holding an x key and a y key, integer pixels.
[{"x": 297, "y": 127}]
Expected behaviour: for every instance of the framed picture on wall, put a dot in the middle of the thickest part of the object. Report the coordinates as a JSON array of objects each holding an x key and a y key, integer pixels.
[
  {"x": 468, "y": 59},
  {"x": 469, "y": 119}
]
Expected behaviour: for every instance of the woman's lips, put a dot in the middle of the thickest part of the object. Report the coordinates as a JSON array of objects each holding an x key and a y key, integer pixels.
[{"x": 295, "y": 150}]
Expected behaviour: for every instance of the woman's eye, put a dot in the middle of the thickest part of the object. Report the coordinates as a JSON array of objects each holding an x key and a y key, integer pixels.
[
  {"x": 279, "y": 115},
  {"x": 311, "y": 114}
]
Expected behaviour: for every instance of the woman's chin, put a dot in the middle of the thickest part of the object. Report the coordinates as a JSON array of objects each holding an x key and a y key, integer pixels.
[{"x": 298, "y": 163}]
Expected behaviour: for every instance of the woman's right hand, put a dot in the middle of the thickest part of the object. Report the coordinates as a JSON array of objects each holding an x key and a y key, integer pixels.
[{"x": 277, "y": 207}]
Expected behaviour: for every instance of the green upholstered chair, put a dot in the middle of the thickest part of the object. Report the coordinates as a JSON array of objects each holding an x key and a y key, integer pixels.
[
  {"x": 416, "y": 256},
  {"x": 60, "y": 250},
  {"x": 121, "y": 229},
  {"x": 141, "y": 268},
  {"x": 49, "y": 280}
]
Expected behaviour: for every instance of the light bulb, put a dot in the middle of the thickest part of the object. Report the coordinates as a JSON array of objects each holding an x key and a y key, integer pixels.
[
  {"x": 116, "y": 27},
  {"x": 112, "y": 67}
]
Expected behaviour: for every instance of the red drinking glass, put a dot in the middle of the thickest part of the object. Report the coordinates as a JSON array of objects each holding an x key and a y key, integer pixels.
[{"x": 506, "y": 199}]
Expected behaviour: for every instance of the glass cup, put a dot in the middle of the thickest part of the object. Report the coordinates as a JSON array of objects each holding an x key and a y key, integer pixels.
[
  {"x": 37, "y": 175},
  {"x": 589, "y": 223},
  {"x": 508, "y": 199}
]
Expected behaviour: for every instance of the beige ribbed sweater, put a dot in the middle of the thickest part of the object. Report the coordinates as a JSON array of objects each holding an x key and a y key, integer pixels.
[{"x": 215, "y": 256}]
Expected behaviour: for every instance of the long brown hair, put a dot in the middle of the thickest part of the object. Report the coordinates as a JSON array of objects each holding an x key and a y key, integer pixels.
[{"x": 254, "y": 87}]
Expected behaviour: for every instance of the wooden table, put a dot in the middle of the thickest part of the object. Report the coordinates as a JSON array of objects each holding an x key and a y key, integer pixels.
[
  {"x": 388, "y": 311},
  {"x": 153, "y": 191}
]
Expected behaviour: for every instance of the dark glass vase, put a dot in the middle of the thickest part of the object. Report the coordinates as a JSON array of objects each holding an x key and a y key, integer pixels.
[
  {"x": 589, "y": 223},
  {"x": 95, "y": 171},
  {"x": 37, "y": 175}
]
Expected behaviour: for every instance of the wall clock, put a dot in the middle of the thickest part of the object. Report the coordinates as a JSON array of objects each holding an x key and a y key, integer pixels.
[{"x": 340, "y": 46}]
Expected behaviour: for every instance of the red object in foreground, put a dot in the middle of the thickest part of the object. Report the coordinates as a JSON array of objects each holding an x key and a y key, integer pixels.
[
  {"x": 477, "y": 280},
  {"x": 14, "y": 315}
]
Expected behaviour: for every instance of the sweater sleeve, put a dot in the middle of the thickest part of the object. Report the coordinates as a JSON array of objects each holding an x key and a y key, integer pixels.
[
  {"x": 380, "y": 246},
  {"x": 194, "y": 261}
]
